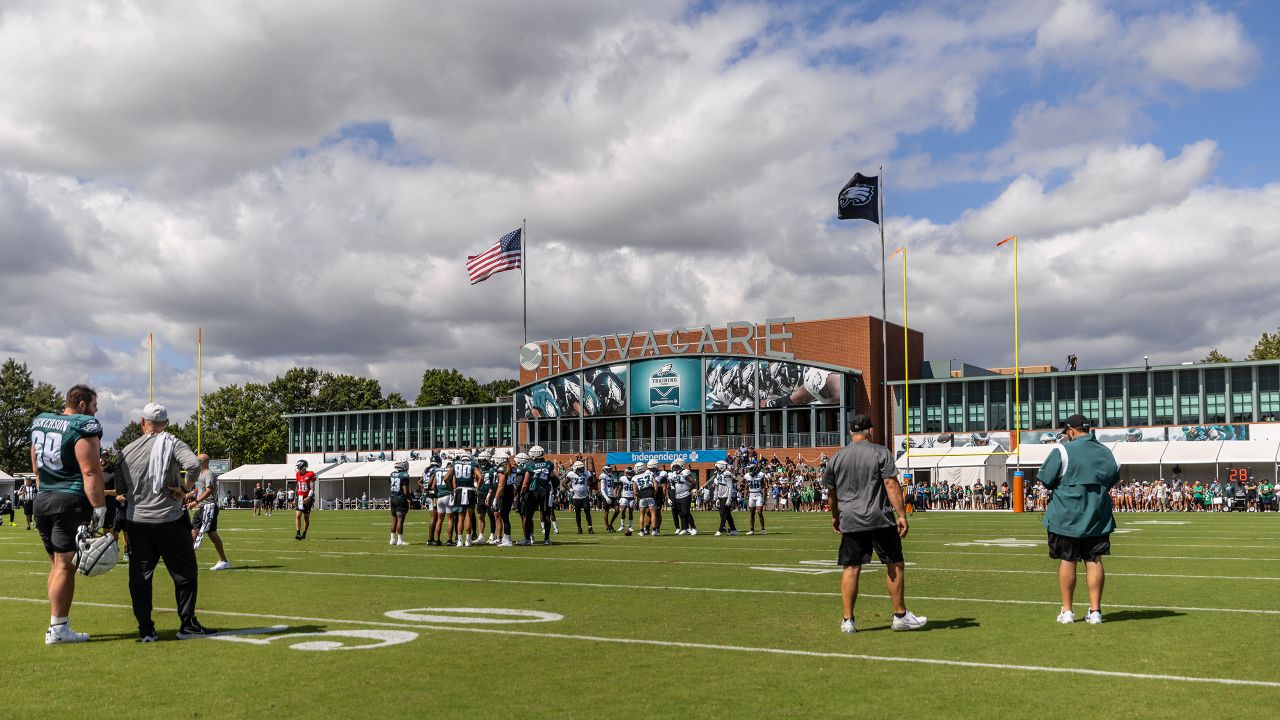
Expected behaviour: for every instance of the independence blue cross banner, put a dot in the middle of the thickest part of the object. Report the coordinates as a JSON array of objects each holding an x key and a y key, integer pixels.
[{"x": 666, "y": 456}]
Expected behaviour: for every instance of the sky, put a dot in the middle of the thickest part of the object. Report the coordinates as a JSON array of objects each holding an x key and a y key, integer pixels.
[{"x": 305, "y": 181}]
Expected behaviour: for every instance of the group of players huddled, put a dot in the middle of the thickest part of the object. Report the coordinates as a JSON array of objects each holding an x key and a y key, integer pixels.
[{"x": 473, "y": 494}]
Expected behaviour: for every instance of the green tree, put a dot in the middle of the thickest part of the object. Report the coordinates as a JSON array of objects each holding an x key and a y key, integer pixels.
[
  {"x": 439, "y": 387},
  {"x": 21, "y": 399},
  {"x": 1267, "y": 347},
  {"x": 128, "y": 434},
  {"x": 245, "y": 424},
  {"x": 299, "y": 389},
  {"x": 394, "y": 401},
  {"x": 348, "y": 392},
  {"x": 1215, "y": 357},
  {"x": 498, "y": 388}
]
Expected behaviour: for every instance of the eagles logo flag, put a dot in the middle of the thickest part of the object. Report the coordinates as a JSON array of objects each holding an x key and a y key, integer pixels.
[{"x": 858, "y": 199}]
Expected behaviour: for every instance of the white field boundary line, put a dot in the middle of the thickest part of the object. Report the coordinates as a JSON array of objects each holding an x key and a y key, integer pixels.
[
  {"x": 468, "y": 556},
  {"x": 730, "y": 648},
  {"x": 750, "y": 591}
]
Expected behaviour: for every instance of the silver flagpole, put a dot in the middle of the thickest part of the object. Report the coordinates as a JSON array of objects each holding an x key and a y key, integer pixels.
[
  {"x": 524, "y": 276},
  {"x": 884, "y": 328}
]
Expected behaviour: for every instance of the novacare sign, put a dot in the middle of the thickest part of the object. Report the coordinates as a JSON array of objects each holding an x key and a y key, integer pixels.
[{"x": 740, "y": 338}]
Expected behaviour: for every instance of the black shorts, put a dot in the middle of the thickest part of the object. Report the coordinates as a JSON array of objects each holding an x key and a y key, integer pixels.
[
  {"x": 581, "y": 503},
  {"x": 856, "y": 547},
  {"x": 535, "y": 500},
  {"x": 464, "y": 498},
  {"x": 206, "y": 518},
  {"x": 304, "y": 504},
  {"x": 115, "y": 515},
  {"x": 399, "y": 505},
  {"x": 1073, "y": 549},
  {"x": 27, "y": 508},
  {"x": 58, "y": 516},
  {"x": 504, "y": 500}
]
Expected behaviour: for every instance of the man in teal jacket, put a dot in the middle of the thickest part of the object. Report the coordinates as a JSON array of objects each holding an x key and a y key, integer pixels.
[{"x": 1080, "y": 472}]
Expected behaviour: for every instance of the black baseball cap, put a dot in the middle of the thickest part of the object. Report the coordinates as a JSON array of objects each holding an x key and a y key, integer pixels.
[
  {"x": 1079, "y": 422},
  {"x": 860, "y": 423}
]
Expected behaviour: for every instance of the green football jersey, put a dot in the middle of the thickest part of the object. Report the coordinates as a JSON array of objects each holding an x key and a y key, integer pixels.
[
  {"x": 399, "y": 484},
  {"x": 464, "y": 474},
  {"x": 541, "y": 475},
  {"x": 54, "y": 438}
]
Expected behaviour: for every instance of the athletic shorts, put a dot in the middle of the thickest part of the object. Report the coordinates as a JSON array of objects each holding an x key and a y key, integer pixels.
[
  {"x": 647, "y": 502},
  {"x": 464, "y": 498},
  {"x": 580, "y": 504},
  {"x": 609, "y": 501},
  {"x": 304, "y": 504},
  {"x": 1075, "y": 549},
  {"x": 626, "y": 502},
  {"x": 444, "y": 503},
  {"x": 58, "y": 516},
  {"x": 755, "y": 500},
  {"x": 428, "y": 503},
  {"x": 659, "y": 500},
  {"x": 27, "y": 508},
  {"x": 535, "y": 500},
  {"x": 399, "y": 505},
  {"x": 206, "y": 518},
  {"x": 505, "y": 500},
  {"x": 856, "y": 547}
]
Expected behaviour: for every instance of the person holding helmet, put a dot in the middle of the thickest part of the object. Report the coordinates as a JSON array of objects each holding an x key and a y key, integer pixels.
[
  {"x": 538, "y": 482},
  {"x": 755, "y": 482},
  {"x": 305, "y": 486},
  {"x": 680, "y": 480},
  {"x": 438, "y": 488},
  {"x": 723, "y": 481},
  {"x": 399, "y": 480},
  {"x": 580, "y": 487},
  {"x": 461, "y": 476}
]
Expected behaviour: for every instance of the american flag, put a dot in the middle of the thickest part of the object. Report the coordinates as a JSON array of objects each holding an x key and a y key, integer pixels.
[{"x": 504, "y": 255}]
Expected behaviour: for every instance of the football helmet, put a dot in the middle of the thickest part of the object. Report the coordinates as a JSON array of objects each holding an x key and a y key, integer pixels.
[
  {"x": 722, "y": 465},
  {"x": 301, "y": 465},
  {"x": 677, "y": 463},
  {"x": 536, "y": 452},
  {"x": 522, "y": 458},
  {"x": 652, "y": 465},
  {"x": 1133, "y": 435},
  {"x": 1048, "y": 438},
  {"x": 980, "y": 438},
  {"x": 96, "y": 553},
  {"x": 638, "y": 467},
  {"x": 402, "y": 465},
  {"x": 578, "y": 465}
]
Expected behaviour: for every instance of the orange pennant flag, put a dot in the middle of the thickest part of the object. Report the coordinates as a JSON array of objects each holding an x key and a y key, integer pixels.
[
  {"x": 895, "y": 252},
  {"x": 1011, "y": 237}
]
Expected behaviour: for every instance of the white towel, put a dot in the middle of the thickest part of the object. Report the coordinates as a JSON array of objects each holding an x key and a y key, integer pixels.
[{"x": 161, "y": 456}]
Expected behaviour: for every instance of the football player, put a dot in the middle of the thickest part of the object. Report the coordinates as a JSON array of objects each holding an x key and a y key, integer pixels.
[
  {"x": 580, "y": 485},
  {"x": 626, "y": 500},
  {"x": 755, "y": 488},
  {"x": 723, "y": 482},
  {"x": 399, "y": 480},
  {"x": 682, "y": 488},
  {"x": 305, "y": 482},
  {"x": 609, "y": 390},
  {"x": 434, "y": 478},
  {"x": 65, "y": 456},
  {"x": 485, "y": 496},
  {"x": 644, "y": 481},
  {"x": 461, "y": 476},
  {"x": 608, "y": 488},
  {"x": 660, "y": 480},
  {"x": 539, "y": 479}
]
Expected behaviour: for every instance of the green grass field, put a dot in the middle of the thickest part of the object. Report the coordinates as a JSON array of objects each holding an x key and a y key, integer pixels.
[{"x": 701, "y": 627}]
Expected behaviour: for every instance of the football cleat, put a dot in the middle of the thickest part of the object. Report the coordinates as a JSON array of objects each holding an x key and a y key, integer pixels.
[{"x": 62, "y": 633}]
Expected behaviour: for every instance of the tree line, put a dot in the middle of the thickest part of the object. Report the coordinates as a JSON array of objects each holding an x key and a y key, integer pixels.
[{"x": 241, "y": 422}]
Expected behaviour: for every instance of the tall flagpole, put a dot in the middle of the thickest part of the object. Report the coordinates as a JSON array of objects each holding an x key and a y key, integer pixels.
[
  {"x": 199, "y": 372},
  {"x": 524, "y": 275},
  {"x": 884, "y": 328}
]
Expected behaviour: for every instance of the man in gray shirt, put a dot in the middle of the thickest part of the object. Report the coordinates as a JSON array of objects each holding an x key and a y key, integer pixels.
[
  {"x": 158, "y": 525},
  {"x": 865, "y": 495}
]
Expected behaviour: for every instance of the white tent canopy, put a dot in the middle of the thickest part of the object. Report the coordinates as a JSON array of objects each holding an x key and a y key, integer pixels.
[
  {"x": 1138, "y": 453},
  {"x": 1248, "y": 451},
  {"x": 1188, "y": 453},
  {"x": 1028, "y": 455}
]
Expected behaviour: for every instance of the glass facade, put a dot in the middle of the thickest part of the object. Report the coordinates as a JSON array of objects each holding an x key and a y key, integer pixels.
[
  {"x": 1206, "y": 394},
  {"x": 409, "y": 428}
]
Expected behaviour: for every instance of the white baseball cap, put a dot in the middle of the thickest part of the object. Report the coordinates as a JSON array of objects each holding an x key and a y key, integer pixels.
[{"x": 155, "y": 412}]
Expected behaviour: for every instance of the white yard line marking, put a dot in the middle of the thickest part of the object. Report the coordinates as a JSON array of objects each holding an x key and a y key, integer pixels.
[{"x": 732, "y": 648}]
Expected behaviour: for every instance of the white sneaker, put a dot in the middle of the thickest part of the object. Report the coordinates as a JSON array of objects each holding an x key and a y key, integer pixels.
[
  {"x": 764, "y": 532},
  {"x": 1094, "y": 617},
  {"x": 506, "y": 542},
  {"x": 458, "y": 543},
  {"x": 59, "y": 634},
  {"x": 909, "y": 622},
  {"x": 222, "y": 565},
  {"x": 467, "y": 543},
  {"x": 693, "y": 531},
  {"x": 393, "y": 540},
  {"x": 680, "y": 532},
  {"x": 555, "y": 528},
  {"x": 400, "y": 541},
  {"x": 751, "y": 532},
  {"x": 1066, "y": 617},
  {"x": 718, "y": 533},
  {"x": 847, "y": 626},
  {"x": 733, "y": 533}
]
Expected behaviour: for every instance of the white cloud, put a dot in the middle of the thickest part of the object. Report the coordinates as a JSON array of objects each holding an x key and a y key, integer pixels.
[{"x": 1201, "y": 50}]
